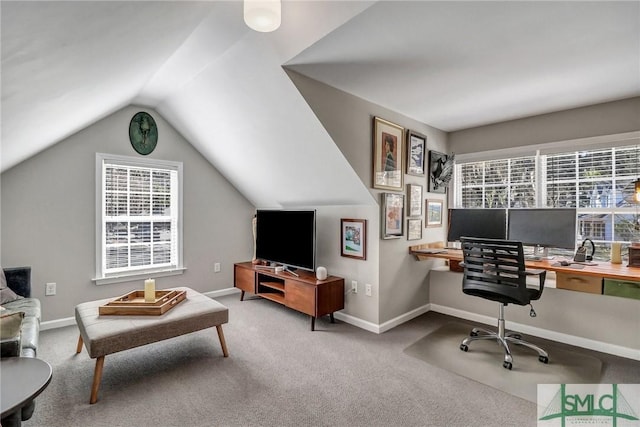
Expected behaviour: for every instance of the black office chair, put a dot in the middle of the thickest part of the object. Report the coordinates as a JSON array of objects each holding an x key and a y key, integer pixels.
[{"x": 495, "y": 270}]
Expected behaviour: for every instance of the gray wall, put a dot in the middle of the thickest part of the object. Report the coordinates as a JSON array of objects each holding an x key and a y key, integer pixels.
[
  {"x": 402, "y": 283},
  {"x": 596, "y": 120},
  {"x": 48, "y": 216}
]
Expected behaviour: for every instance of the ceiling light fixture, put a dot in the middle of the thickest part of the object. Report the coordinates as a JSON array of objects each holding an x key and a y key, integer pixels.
[{"x": 262, "y": 15}]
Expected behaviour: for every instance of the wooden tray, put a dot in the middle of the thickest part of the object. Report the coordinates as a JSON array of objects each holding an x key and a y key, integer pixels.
[{"x": 133, "y": 304}]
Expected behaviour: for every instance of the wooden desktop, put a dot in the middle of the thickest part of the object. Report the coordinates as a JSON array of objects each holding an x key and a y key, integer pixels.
[{"x": 603, "y": 269}]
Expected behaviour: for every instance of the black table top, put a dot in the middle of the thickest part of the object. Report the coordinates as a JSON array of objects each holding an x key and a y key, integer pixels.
[{"x": 21, "y": 379}]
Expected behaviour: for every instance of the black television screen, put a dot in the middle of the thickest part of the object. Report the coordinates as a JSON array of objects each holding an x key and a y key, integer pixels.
[
  {"x": 545, "y": 227},
  {"x": 481, "y": 223},
  {"x": 287, "y": 237}
]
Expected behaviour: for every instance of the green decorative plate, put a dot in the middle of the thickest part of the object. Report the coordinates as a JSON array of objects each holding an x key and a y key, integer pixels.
[{"x": 143, "y": 133}]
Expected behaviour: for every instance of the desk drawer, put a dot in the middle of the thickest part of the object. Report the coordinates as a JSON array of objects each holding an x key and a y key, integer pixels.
[
  {"x": 622, "y": 288},
  {"x": 576, "y": 282}
]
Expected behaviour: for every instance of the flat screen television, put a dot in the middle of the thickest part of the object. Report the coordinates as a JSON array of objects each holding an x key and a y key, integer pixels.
[
  {"x": 287, "y": 237},
  {"x": 481, "y": 223},
  {"x": 543, "y": 227}
]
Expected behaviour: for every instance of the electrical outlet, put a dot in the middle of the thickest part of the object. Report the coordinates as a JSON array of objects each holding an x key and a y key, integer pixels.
[
  {"x": 367, "y": 290},
  {"x": 216, "y": 267},
  {"x": 354, "y": 286},
  {"x": 50, "y": 289}
]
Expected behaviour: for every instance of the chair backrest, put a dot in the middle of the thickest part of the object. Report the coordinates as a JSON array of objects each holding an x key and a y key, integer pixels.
[{"x": 495, "y": 270}]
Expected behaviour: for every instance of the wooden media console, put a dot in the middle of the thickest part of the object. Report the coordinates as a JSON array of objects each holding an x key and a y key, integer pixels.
[{"x": 303, "y": 293}]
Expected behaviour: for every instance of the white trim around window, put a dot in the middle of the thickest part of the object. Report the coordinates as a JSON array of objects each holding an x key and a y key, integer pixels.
[{"x": 138, "y": 218}]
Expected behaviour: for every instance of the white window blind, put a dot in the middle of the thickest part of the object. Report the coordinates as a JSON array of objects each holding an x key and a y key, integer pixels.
[
  {"x": 500, "y": 183},
  {"x": 139, "y": 217}
]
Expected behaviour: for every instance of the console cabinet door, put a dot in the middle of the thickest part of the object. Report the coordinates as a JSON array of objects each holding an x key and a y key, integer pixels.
[
  {"x": 245, "y": 279},
  {"x": 300, "y": 297}
]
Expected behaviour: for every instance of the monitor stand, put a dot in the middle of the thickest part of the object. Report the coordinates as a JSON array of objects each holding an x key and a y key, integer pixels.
[
  {"x": 540, "y": 253},
  {"x": 289, "y": 270}
]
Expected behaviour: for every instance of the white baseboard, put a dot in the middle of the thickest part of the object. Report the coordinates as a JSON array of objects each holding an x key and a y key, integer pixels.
[
  {"x": 616, "y": 350},
  {"x": 378, "y": 329},
  {"x": 58, "y": 323}
]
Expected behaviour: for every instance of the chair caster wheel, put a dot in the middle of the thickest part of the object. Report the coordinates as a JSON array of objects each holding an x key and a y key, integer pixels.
[
  {"x": 543, "y": 359},
  {"x": 473, "y": 334},
  {"x": 464, "y": 347},
  {"x": 507, "y": 365}
]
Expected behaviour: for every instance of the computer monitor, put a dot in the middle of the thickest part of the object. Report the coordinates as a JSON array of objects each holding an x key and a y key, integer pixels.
[
  {"x": 544, "y": 227},
  {"x": 481, "y": 223}
]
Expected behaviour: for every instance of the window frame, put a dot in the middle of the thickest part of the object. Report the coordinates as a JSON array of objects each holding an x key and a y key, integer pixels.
[
  {"x": 614, "y": 143},
  {"x": 103, "y": 278}
]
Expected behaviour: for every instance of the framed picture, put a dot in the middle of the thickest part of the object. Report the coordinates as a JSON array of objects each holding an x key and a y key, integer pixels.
[
  {"x": 392, "y": 215},
  {"x": 434, "y": 213},
  {"x": 440, "y": 171},
  {"x": 388, "y": 152},
  {"x": 353, "y": 238},
  {"x": 414, "y": 229},
  {"x": 414, "y": 200},
  {"x": 416, "y": 144}
]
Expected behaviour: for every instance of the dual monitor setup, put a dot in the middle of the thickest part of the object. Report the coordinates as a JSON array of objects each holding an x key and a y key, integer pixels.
[{"x": 542, "y": 228}]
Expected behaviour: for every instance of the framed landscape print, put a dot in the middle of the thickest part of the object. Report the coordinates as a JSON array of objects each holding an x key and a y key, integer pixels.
[
  {"x": 392, "y": 215},
  {"x": 353, "y": 238},
  {"x": 440, "y": 171},
  {"x": 414, "y": 229},
  {"x": 416, "y": 144},
  {"x": 388, "y": 154},
  {"x": 414, "y": 200},
  {"x": 434, "y": 213}
]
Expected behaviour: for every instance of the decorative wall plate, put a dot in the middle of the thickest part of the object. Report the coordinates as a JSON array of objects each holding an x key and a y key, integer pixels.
[{"x": 143, "y": 133}]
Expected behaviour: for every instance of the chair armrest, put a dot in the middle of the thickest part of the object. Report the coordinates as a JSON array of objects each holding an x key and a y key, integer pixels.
[{"x": 19, "y": 280}]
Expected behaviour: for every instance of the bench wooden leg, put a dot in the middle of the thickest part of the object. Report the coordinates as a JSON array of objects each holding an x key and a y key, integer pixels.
[
  {"x": 225, "y": 352},
  {"x": 97, "y": 376},
  {"x": 79, "y": 348}
]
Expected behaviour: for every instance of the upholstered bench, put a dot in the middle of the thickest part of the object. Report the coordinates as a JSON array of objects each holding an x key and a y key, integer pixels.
[{"x": 107, "y": 334}]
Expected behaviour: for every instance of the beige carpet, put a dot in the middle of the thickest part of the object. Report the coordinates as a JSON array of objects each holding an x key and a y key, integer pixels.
[{"x": 483, "y": 362}]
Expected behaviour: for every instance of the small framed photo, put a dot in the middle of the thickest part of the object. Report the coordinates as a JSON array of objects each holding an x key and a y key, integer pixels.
[
  {"x": 434, "y": 213},
  {"x": 440, "y": 171},
  {"x": 392, "y": 215},
  {"x": 416, "y": 145},
  {"x": 353, "y": 238},
  {"x": 388, "y": 154},
  {"x": 414, "y": 200},
  {"x": 414, "y": 229}
]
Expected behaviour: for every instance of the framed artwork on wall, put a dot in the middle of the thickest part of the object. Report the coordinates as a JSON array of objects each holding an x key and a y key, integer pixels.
[
  {"x": 353, "y": 238},
  {"x": 414, "y": 229},
  {"x": 388, "y": 154},
  {"x": 434, "y": 213},
  {"x": 440, "y": 171},
  {"x": 392, "y": 215},
  {"x": 414, "y": 200},
  {"x": 416, "y": 145}
]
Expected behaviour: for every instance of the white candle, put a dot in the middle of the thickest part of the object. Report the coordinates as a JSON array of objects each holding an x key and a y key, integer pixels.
[{"x": 149, "y": 290}]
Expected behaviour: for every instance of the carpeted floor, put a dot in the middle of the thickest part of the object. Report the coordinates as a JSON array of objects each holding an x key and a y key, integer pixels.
[
  {"x": 483, "y": 362},
  {"x": 279, "y": 374}
]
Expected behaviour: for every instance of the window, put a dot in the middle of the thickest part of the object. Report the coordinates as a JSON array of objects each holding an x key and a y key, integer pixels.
[
  {"x": 138, "y": 217},
  {"x": 598, "y": 182}
]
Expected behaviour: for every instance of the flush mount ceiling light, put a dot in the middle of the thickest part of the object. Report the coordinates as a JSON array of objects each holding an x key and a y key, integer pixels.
[{"x": 262, "y": 15}]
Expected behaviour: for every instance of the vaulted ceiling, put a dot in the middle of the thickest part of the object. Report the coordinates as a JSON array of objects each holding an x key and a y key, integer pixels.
[{"x": 451, "y": 65}]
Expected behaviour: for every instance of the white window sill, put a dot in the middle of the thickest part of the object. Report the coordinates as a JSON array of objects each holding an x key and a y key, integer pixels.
[{"x": 130, "y": 277}]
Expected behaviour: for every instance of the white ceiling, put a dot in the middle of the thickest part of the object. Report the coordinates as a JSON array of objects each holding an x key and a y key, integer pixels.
[{"x": 451, "y": 65}]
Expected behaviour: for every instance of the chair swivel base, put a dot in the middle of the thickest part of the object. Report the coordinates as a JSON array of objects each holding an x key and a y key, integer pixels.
[{"x": 503, "y": 338}]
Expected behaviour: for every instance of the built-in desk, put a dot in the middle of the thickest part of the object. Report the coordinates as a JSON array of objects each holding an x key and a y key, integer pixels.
[
  {"x": 603, "y": 269},
  {"x": 603, "y": 323}
]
